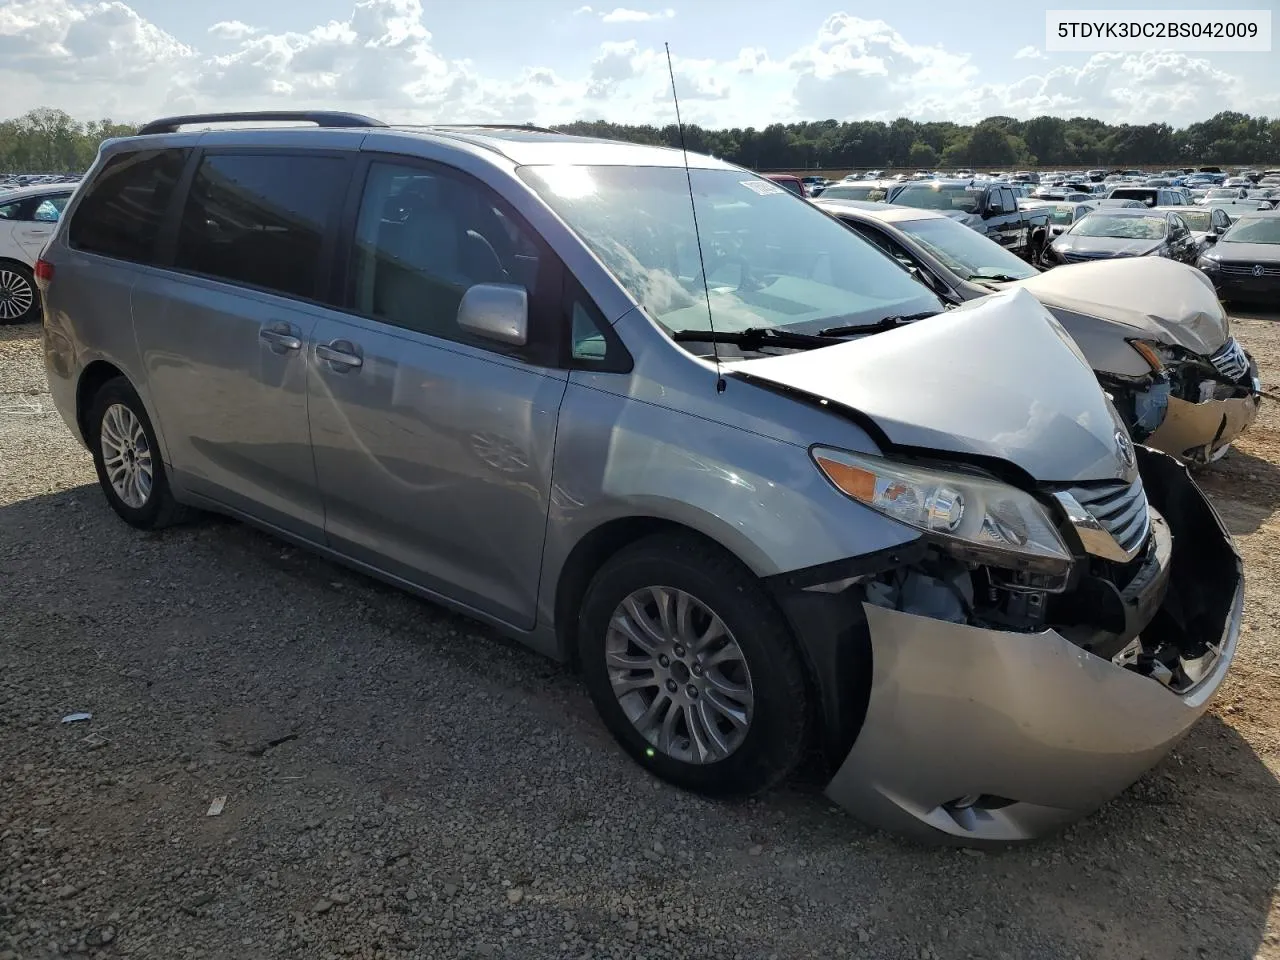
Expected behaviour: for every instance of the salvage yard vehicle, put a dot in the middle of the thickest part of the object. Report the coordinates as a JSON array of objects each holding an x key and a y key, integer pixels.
[
  {"x": 1244, "y": 262},
  {"x": 756, "y": 505},
  {"x": 990, "y": 209},
  {"x": 27, "y": 216},
  {"x": 1152, "y": 330},
  {"x": 1111, "y": 233}
]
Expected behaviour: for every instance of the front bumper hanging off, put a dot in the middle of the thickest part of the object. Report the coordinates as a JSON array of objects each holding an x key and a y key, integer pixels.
[{"x": 979, "y": 734}]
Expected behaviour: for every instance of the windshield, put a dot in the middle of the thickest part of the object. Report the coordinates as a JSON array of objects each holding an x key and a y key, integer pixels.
[
  {"x": 1126, "y": 228},
  {"x": 964, "y": 251},
  {"x": 1254, "y": 230},
  {"x": 852, "y": 191},
  {"x": 1220, "y": 192},
  {"x": 771, "y": 259},
  {"x": 927, "y": 196},
  {"x": 1197, "y": 219},
  {"x": 1061, "y": 215}
]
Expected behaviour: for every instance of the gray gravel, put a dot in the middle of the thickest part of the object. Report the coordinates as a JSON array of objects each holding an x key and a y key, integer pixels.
[{"x": 402, "y": 783}]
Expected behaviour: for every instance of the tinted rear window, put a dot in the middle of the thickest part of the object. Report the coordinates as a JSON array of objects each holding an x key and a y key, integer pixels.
[
  {"x": 121, "y": 212},
  {"x": 261, "y": 220}
]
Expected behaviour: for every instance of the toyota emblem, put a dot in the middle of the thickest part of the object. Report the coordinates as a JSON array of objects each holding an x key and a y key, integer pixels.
[
  {"x": 1257, "y": 270},
  {"x": 1124, "y": 449}
]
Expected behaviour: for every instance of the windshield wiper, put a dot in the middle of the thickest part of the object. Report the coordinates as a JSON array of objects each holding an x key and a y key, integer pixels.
[
  {"x": 753, "y": 338},
  {"x": 997, "y": 277},
  {"x": 888, "y": 323}
]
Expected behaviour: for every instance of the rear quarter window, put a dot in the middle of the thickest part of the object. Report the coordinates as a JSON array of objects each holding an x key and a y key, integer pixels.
[{"x": 123, "y": 208}]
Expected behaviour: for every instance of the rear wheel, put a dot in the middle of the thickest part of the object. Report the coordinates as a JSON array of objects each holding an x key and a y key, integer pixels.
[
  {"x": 692, "y": 667},
  {"x": 19, "y": 298},
  {"x": 127, "y": 457}
]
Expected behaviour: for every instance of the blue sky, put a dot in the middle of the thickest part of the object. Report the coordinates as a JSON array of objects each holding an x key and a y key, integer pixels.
[{"x": 737, "y": 62}]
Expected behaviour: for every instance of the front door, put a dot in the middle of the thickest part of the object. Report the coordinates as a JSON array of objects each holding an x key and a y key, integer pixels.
[{"x": 433, "y": 449}]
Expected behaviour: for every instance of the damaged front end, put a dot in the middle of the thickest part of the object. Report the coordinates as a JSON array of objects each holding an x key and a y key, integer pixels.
[
  {"x": 1210, "y": 400},
  {"x": 1014, "y": 692}
]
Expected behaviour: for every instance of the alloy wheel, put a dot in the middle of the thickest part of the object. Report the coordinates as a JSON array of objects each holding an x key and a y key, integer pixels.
[
  {"x": 126, "y": 454},
  {"x": 16, "y": 295},
  {"x": 679, "y": 675}
]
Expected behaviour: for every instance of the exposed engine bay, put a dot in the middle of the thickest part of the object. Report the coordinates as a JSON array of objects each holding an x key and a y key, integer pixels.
[{"x": 1159, "y": 614}]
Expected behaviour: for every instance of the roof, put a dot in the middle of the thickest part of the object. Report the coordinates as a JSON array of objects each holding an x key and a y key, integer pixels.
[
  {"x": 34, "y": 190},
  {"x": 521, "y": 145},
  {"x": 886, "y": 212}
]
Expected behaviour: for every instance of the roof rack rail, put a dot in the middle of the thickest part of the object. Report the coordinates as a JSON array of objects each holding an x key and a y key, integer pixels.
[
  {"x": 321, "y": 118},
  {"x": 487, "y": 126}
]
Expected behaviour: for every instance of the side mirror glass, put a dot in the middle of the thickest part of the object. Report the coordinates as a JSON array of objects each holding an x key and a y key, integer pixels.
[
  {"x": 1211, "y": 237},
  {"x": 496, "y": 311}
]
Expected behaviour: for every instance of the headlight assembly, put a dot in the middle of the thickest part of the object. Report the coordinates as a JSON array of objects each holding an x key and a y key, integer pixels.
[
  {"x": 1207, "y": 265},
  {"x": 972, "y": 517}
]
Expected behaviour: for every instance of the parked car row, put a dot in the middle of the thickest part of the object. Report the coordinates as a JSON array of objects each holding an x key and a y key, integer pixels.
[{"x": 783, "y": 479}]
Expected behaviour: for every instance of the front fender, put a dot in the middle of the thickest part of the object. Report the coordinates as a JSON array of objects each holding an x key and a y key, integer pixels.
[{"x": 760, "y": 498}]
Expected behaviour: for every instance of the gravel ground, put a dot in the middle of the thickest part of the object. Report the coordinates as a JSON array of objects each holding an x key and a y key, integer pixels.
[{"x": 401, "y": 783}]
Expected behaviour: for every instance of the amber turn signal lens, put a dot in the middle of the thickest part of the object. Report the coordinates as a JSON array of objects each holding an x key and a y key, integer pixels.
[{"x": 856, "y": 482}]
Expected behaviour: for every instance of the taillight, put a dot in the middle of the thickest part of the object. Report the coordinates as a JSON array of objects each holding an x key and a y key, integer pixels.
[{"x": 44, "y": 273}]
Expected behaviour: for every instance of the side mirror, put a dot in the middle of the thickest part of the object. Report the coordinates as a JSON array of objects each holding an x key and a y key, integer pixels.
[
  {"x": 1211, "y": 237},
  {"x": 496, "y": 311},
  {"x": 992, "y": 208}
]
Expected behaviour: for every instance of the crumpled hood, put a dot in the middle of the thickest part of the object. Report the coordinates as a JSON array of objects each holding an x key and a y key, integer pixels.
[
  {"x": 1105, "y": 246},
  {"x": 996, "y": 377},
  {"x": 1160, "y": 299}
]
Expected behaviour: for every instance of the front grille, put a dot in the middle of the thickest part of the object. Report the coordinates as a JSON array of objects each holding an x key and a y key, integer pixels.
[
  {"x": 1120, "y": 509},
  {"x": 1246, "y": 270},
  {"x": 1083, "y": 257},
  {"x": 1230, "y": 360}
]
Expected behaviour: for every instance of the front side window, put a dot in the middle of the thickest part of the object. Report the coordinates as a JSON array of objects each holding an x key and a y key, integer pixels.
[
  {"x": 768, "y": 260},
  {"x": 123, "y": 208},
  {"x": 260, "y": 220},
  {"x": 424, "y": 237},
  {"x": 9, "y": 211}
]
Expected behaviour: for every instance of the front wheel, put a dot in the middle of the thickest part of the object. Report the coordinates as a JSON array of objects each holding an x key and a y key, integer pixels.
[{"x": 692, "y": 667}]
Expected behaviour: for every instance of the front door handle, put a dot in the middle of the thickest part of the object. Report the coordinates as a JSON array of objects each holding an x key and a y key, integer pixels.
[
  {"x": 341, "y": 354},
  {"x": 280, "y": 337}
]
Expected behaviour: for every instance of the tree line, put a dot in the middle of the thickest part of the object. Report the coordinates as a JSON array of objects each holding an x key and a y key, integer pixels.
[{"x": 51, "y": 141}]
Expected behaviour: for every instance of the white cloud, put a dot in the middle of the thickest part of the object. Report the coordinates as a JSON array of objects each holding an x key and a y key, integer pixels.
[
  {"x": 581, "y": 10},
  {"x": 1029, "y": 53},
  {"x": 623, "y": 15},
  {"x": 99, "y": 57},
  {"x": 232, "y": 30}
]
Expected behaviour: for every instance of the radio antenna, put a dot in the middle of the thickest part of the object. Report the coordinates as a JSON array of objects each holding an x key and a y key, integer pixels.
[{"x": 697, "y": 235}]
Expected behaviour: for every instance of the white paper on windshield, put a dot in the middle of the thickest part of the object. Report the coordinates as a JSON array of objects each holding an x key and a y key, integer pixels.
[{"x": 762, "y": 187}]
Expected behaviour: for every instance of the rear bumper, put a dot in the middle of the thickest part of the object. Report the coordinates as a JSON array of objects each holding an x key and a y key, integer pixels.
[{"x": 1039, "y": 731}]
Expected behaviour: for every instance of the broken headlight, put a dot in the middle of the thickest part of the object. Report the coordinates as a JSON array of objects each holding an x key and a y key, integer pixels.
[{"x": 973, "y": 517}]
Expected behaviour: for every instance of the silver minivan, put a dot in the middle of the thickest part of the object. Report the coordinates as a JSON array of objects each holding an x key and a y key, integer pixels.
[{"x": 668, "y": 423}]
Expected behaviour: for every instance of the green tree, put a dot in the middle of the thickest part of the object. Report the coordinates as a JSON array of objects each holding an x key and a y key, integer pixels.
[{"x": 922, "y": 155}]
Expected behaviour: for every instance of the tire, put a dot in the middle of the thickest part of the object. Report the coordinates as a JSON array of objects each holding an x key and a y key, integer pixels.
[
  {"x": 120, "y": 432},
  {"x": 19, "y": 295},
  {"x": 744, "y": 760}
]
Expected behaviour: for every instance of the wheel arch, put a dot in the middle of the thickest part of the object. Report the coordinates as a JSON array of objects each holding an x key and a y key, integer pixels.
[{"x": 92, "y": 377}]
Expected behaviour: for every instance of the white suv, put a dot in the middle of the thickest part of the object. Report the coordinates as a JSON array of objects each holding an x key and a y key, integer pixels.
[{"x": 27, "y": 219}]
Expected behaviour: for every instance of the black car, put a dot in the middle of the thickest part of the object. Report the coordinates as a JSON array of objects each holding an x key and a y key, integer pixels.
[
  {"x": 1244, "y": 263},
  {"x": 1124, "y": 232}
]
